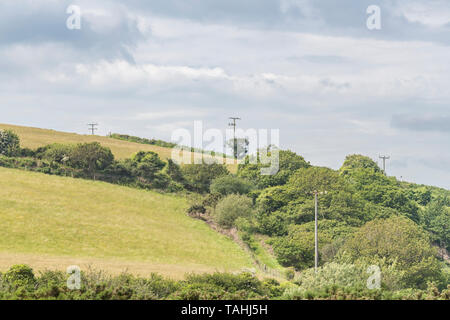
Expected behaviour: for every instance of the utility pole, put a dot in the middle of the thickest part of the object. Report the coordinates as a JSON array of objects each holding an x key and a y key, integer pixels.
[
  {"x": 92, "y": 127},
  {"x": 316, "y": 232},
  {"x": 233, "y": 124},
  {"x": 384, "y": 162}
]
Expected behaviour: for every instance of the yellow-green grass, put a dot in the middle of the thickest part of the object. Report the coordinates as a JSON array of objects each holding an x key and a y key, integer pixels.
[
  {"x": 35, "y": 137},
  {"x": 52, "y": 222},
  {"x": 263, "y": 253}
]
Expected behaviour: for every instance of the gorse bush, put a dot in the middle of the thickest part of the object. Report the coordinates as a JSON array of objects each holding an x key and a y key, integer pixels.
[
  {"x": 20, "y": 283},
  {"x": 19, "y": 276},
  {"x": 232, "y": 207}
]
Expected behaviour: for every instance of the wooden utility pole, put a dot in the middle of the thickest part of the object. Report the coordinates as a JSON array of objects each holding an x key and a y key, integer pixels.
[
  {"x": 384, "y": 162},
  {"x": 316, "y": 228},
  {"x": 92, "y": 127},
  {"x": 233, "y": 124}
]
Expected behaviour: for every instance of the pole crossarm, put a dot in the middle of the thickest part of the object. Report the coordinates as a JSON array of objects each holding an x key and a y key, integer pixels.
[{"x": 92, "y": 127}]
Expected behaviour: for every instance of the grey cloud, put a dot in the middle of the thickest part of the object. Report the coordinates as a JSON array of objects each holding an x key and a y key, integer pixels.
[
  {"x": 34, "y": 24},
  {"x": 437, "y": 163},
  {"x": 439, "y": 123},
  {"x": 332, "y": 17}
]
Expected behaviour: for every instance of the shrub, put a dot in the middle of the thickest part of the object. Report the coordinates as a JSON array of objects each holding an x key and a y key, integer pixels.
[
  {"x": 290, "y": 273},
  {"x": 232, "y": 207},
  {"x": 56, "y": 152},
  {"x": 20, "y": 276},
  {"x": 342, "y": 275},
  {"x": 288, "y": 162},
  {"x": 401, "y": 242},
  {"x": 174, "y": 172},
  {"x": 199, "y": 176},
  {"x": 91, "y": 157},
  {"x": 230, "y": 185},
  {"x": 196, "y": 208},
  {"x": 9, "y": 143}
]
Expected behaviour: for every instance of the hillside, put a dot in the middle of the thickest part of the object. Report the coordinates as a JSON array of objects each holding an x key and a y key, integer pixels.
[
  {"x": 52, "y": 222},
  {"x": 32, "y": 138}
]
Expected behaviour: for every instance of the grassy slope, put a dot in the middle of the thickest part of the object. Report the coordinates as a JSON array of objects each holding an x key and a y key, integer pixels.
[
  {"x": 53, "y": 222},
  {"x": 35, "y": 137}
]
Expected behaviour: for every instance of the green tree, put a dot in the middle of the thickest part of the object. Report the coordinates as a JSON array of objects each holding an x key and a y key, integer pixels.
[
  {"x": 91, "y": 157},
  {"x": 9, "y": 143},
  {"x": 297, "y": 248},
  {"x": 56, "y": 152},
  {"x": 397, "y": 241},
  {"x": 146, "y": 164},
  {"x": 173, "y": 170},
  {"x": 289, "y": 162},
  {"x": 436, "y": 219},
  {"x": 306, "y": 180},
  {"x": 200, "y": 176},
  {"x": 232, "y": 207},
  {"x": 357, "y": 161},
  {"x": 230, "y": 184}
]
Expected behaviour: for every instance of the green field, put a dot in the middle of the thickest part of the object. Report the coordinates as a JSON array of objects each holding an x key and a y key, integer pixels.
[
  {"x": 52, "y": 222},
  {"x": 35, "y": 137}
]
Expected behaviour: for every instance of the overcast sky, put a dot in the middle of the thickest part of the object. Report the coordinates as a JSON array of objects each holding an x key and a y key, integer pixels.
[{"x": 310, "y": 68}]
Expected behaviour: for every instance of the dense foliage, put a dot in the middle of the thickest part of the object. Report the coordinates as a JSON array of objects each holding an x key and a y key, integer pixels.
[
  {"x": 21, "y": 283},
  {"x": 230, "y": 184},
  {"x": 200, "y": 176},
  {"x": 365, "y": 218},
  {"x": 335, "y": 281}
]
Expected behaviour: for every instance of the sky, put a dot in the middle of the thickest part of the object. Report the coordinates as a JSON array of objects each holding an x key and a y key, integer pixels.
[{"x": 310, "y": 68}]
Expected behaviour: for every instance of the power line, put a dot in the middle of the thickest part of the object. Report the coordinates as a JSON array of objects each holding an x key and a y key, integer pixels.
[
  {"x": 92, "y": 127},
  {"x": 384, "y": 162},
  {"x": 233, "y": 124}
]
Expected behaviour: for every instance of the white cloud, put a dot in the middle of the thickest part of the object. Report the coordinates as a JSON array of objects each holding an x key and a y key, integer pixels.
[{"x": 433, "y": 13}]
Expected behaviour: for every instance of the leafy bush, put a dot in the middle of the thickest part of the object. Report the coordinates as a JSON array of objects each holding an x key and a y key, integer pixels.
[
  {"x": 91, "y": 157},
  {"x": 9, "y": 143},
  {"x": 174, "y": 172},
  {"x": 56, "y": 152},
  {"x": 196, "y": 208},
  {"x": 289, "y": 162},
  {"x": 401, "y": 242},
  {"x": 296, "y": 249},
  {"x": 20, "y": 276},
  {"x": 229, "y": 184},
  {"x": 20, "y": 283},
  {"x": 436, "y": 219},
  {"x": 232, "y": 207},
  {"x": 199, "y": 176}
]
